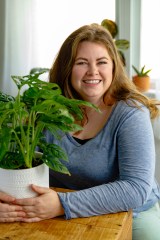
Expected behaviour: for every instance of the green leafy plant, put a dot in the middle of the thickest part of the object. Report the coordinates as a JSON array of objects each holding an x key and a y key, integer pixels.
[
  {"x": 39, "y": 70},
  {"x": 24, "y": 119},
  {"x": 121, "y": 44},
  {"x": 142, "y": 72}
]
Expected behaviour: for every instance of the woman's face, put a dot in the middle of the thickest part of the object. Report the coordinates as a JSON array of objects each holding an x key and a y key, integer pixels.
[{"x": 92, "y": 71}]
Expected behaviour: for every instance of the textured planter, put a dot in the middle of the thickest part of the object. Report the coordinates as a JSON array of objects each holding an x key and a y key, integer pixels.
[
  {"x": 17, "y": 182},
  {"x": 142, "y": 83}
]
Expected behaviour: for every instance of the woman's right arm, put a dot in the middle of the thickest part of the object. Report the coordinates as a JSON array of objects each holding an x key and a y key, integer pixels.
[{"x": 8, "y": 211}]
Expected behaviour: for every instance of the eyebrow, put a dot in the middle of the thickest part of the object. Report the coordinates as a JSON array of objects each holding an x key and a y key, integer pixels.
[
  {"x": 81, "y": 58},
  {"x": 103, "y": 58}
]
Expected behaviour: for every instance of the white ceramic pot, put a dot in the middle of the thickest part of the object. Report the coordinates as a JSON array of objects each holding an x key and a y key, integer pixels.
[{"x": 18, "y": 182}]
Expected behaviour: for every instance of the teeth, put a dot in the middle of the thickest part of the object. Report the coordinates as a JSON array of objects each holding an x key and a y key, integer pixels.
[{"x": 92, "y": 81}]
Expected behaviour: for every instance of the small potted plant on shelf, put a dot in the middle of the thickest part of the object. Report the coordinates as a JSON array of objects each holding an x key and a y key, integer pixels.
[
  {"x": 121, "y": 44},
  {"x": 141, "y": 79},
  {"x": 38, "y": 106}
]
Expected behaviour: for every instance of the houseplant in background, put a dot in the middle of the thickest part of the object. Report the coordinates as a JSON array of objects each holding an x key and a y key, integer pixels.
[
  {"x": 122, "y": 44},
  {"x": 141, "y": 79},
  {"x": 38, "y": 106}
]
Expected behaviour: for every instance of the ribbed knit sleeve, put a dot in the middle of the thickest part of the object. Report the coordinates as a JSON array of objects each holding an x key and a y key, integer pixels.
[{"x": 130, "y": 159}]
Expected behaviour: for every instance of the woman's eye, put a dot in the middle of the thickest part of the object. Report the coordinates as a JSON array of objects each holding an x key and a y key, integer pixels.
[
  {"x": 81, "y": 63},
  {"x": 102, "y": 62}
]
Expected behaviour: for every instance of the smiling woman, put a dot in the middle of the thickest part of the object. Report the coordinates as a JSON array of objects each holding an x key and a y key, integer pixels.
[
  {"x": 106, "y": 161},
  {"x": 108, "y": 170}
]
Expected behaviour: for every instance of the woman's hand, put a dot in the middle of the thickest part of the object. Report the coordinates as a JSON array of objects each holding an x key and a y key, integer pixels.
[
  {"x": 47, "y": 205},
  {"x": 8, "y": 211}
]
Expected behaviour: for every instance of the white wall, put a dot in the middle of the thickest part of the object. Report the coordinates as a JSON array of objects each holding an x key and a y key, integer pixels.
[{"x": 54, "y": 22}]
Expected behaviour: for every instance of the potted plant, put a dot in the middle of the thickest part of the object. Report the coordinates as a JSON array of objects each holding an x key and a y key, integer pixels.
[
  {"x": 122, "y": 44},
  {"x": 38, "y": 106},
  {"x": 141, "y": 79}
]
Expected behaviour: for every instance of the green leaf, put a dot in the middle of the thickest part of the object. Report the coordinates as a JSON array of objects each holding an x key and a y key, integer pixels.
[
  {"x": 38, "y": 70},
  {"x": 50, "y": 106},
  {"x": 111, "y": 26},
  {"x": 36, "y": 93},
  {"x": 31, "y": 80},
  {"x": 6, "y": 98},
  {"x": 13, "y": 160},
  {"x": 52, "y": 154},
  {"x": 74, "y": 105},
  {"x": 141, "y": 72},
  {"x": 122, "y": 44},
  {"x": 5, "y": 137}
]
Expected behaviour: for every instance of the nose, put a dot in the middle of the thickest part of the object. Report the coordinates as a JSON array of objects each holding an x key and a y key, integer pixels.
[{"x": 92, "y": 69}]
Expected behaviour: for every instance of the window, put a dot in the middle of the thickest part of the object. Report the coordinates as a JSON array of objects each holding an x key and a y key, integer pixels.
[{"x": 150, "y": 37}]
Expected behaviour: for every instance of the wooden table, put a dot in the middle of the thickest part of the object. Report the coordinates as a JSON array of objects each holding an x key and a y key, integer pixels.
[{"x": 117, "y": 226}]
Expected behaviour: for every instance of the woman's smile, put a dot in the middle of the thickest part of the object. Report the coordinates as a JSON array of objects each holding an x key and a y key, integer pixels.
[{"x": 93, "y": 82}]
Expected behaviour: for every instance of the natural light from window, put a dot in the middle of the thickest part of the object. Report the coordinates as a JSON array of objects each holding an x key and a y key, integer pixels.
[
  {"x": 54, "y": 21},
  {"x": 150, "y": 37}
]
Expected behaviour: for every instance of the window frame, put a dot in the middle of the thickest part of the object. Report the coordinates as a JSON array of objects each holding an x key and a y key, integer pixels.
[{"x": 128, "y": 18}]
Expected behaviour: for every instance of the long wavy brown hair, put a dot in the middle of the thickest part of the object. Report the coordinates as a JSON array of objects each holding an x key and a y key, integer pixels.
[{"x": 122, "y": 88}]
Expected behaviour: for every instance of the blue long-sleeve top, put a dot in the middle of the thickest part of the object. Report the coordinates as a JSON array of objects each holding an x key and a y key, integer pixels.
[{"x": 114, "y": 171}]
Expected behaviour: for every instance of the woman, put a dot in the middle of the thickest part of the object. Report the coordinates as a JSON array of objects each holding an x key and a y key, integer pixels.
[{"x": 112, "y": 160}]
